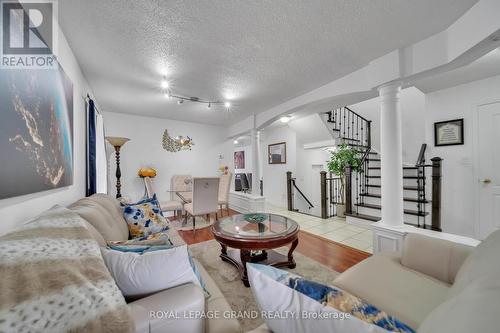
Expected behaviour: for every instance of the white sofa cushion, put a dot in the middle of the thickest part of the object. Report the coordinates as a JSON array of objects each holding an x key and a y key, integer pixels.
[
  {"x": 481, "y": 263},
  {"x": 169, "y": 311},
  {"x": 404, "y": 293},
  {"x": 143, "y": 274},
  {"x": 438, "y": 258},
  {"x": 475, "y": 309},
  {"x": 292, "y": 304}
]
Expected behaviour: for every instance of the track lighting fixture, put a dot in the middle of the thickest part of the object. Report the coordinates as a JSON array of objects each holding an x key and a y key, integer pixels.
[
  {"x": 167, "y": 91},
  {"x": 164, "y": 83}
]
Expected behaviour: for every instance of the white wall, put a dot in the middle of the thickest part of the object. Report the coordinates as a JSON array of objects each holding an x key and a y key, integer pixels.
[
  {"x": 18, "y": 209},
  {"x": 459, "y": 181},
  {"x": 309, "y": 163},
  {"x": 413, "y": 110},
  {"x": 274, "y": 175},
  {"x": 145, "y": 149}
]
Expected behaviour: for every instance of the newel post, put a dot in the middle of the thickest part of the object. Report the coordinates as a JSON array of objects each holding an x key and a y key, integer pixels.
[
  {"x": 436, "y": 193},
  {"x": 348, "y": 189},
  {"x": 324, "y": 211},
  {"x": 289, "y": 190}
]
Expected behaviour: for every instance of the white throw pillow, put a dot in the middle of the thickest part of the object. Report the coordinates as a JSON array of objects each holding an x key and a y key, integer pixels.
[
  {"x": 286, "y": 310},
  {"x": 143, "y": 274}
]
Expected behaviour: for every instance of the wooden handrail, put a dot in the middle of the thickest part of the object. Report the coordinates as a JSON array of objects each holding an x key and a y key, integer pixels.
[
  {"x": 436, "y": 193},
  {"x": 302, "y": 194}
]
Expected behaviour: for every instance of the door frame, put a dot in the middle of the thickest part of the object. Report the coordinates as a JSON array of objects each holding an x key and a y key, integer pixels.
[{"x": 475, "y": 154}]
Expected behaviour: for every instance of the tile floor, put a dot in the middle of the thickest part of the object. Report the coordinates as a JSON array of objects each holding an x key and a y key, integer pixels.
[{"x": 334, "y": 228}]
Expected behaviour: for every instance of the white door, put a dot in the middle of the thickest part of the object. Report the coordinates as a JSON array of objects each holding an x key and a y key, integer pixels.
[{"x": 489, "y": 168}]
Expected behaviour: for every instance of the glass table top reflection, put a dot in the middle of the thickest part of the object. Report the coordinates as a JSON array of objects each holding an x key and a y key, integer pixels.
[{"x": 256, "y": 225}]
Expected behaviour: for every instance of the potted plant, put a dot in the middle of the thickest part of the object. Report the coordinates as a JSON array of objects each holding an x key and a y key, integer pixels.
[{"x": 340, "y": 158}]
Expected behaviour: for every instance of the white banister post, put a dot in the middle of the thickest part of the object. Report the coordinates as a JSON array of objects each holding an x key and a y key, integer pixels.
[
  {"x": 255, "y": 137},
  {"x": 391, "y": 154}
]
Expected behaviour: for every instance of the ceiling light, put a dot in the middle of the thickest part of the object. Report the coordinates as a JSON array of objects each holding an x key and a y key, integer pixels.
[
  {"x": 167, "y": 95},
  {"x": 285, "y": 119},
  {"x": 227, "y": 105},
  {"x": 164, "y": 84},
  {"x": 235, "y": 142},
  {"x": 180, "y": 101}
]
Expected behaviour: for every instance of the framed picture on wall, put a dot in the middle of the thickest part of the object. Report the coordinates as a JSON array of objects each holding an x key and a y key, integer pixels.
[
  {"x": 239, "y": 159},
  {"x": 277, "y": 153},
  {"x": 36, "y": 135},
  {"x": 449, "y": 133}
]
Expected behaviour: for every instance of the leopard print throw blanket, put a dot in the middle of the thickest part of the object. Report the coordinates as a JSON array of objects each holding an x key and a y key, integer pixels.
[{"x": 53, "y": 279}]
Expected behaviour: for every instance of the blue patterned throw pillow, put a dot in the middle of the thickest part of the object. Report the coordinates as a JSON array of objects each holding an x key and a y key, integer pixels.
[
  {"x": 145, "y": 218},
  {"x": 348, "y": 303},
  {"x": 279, "y": 291}
]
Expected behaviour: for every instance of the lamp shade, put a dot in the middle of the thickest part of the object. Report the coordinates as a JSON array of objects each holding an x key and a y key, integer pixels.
[{"x": 117, "y": 141}]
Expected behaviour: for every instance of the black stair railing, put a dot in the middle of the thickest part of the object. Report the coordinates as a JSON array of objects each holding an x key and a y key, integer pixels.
[
  {"x": 355, "y": 131},
  {"x": 421, "y": 181},
  {"x": 291, "y": 188},
  {"x": 351, "y": 128},
  {"x": 331, "y": 194}
]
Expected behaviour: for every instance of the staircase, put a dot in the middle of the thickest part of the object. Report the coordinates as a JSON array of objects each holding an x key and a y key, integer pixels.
[{"x": 363, "y": 201}]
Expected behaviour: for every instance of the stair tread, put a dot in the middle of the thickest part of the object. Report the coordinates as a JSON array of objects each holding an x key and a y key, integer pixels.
[
  {"x": 405, "y": 167},
  {"x": 376, "y": 219},
  {"x": 408, "y": 199},
  {"x": 404, "y": 177},
  {"x": 409, "y": 188},
  {"x": 364, "y": 216},
  {"x": 406, "y": 211},
  {"x": 350, "y": 139},
  {"x": 374, "y": 159}
]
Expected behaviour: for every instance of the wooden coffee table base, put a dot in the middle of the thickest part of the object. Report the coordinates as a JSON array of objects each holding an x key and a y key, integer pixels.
[{"x": 239, "y": 258}]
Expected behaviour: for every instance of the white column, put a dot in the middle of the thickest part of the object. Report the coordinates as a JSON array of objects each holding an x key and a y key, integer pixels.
[
  {"x": 391, "y": 153},
  {"x": 255, "y": 137}
]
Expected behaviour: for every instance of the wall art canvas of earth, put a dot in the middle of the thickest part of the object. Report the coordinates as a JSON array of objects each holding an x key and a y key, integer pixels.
[{"x": 36, "y": 131}]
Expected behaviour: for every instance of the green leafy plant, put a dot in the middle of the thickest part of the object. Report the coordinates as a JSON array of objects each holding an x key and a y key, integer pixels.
[{"x": 341, "y": 158}]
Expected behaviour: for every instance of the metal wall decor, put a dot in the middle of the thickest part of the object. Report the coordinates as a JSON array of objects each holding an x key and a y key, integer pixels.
[{"x": 176, "y": 144}]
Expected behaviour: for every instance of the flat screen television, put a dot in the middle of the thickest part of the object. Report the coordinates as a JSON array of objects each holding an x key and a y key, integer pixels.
[{"x": 241, "y": 182}]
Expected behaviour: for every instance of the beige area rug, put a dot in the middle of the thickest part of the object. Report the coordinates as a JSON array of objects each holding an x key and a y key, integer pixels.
[
  {"x": 201, "y": 223},
  {"x": 240, "y": 298}
]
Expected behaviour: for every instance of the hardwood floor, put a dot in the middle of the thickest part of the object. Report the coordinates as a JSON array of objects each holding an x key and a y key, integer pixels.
[{"x": 337, "y": 256}]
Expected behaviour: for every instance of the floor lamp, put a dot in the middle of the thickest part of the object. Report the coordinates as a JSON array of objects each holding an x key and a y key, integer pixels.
[{"x": 117, "y": 142}]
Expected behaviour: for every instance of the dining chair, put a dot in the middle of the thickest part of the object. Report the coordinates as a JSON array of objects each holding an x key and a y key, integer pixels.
[
  {"x": 224, "y": 186},
  {"x": 182, "y": 184},
  {"x": 165, "y": 206},
  {"x": 205, "y": 199}
]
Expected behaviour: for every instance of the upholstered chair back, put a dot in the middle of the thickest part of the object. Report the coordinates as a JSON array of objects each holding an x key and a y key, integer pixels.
[
  {"x": 181, "y": 183},
  {"x": 205, "y": 195},
  {"x": 148, "y": 183},
  {"x": 224, "y": 186}
]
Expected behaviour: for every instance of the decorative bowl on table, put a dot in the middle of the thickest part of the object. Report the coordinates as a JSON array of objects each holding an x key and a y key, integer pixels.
[{"x": 255, "y": 218}]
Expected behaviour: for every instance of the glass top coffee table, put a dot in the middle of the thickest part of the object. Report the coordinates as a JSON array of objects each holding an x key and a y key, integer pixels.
[{"x": 251, "y": 238}]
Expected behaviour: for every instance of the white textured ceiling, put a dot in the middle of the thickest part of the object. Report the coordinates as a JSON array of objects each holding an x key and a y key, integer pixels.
[{"x": 256, "y": 53}]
